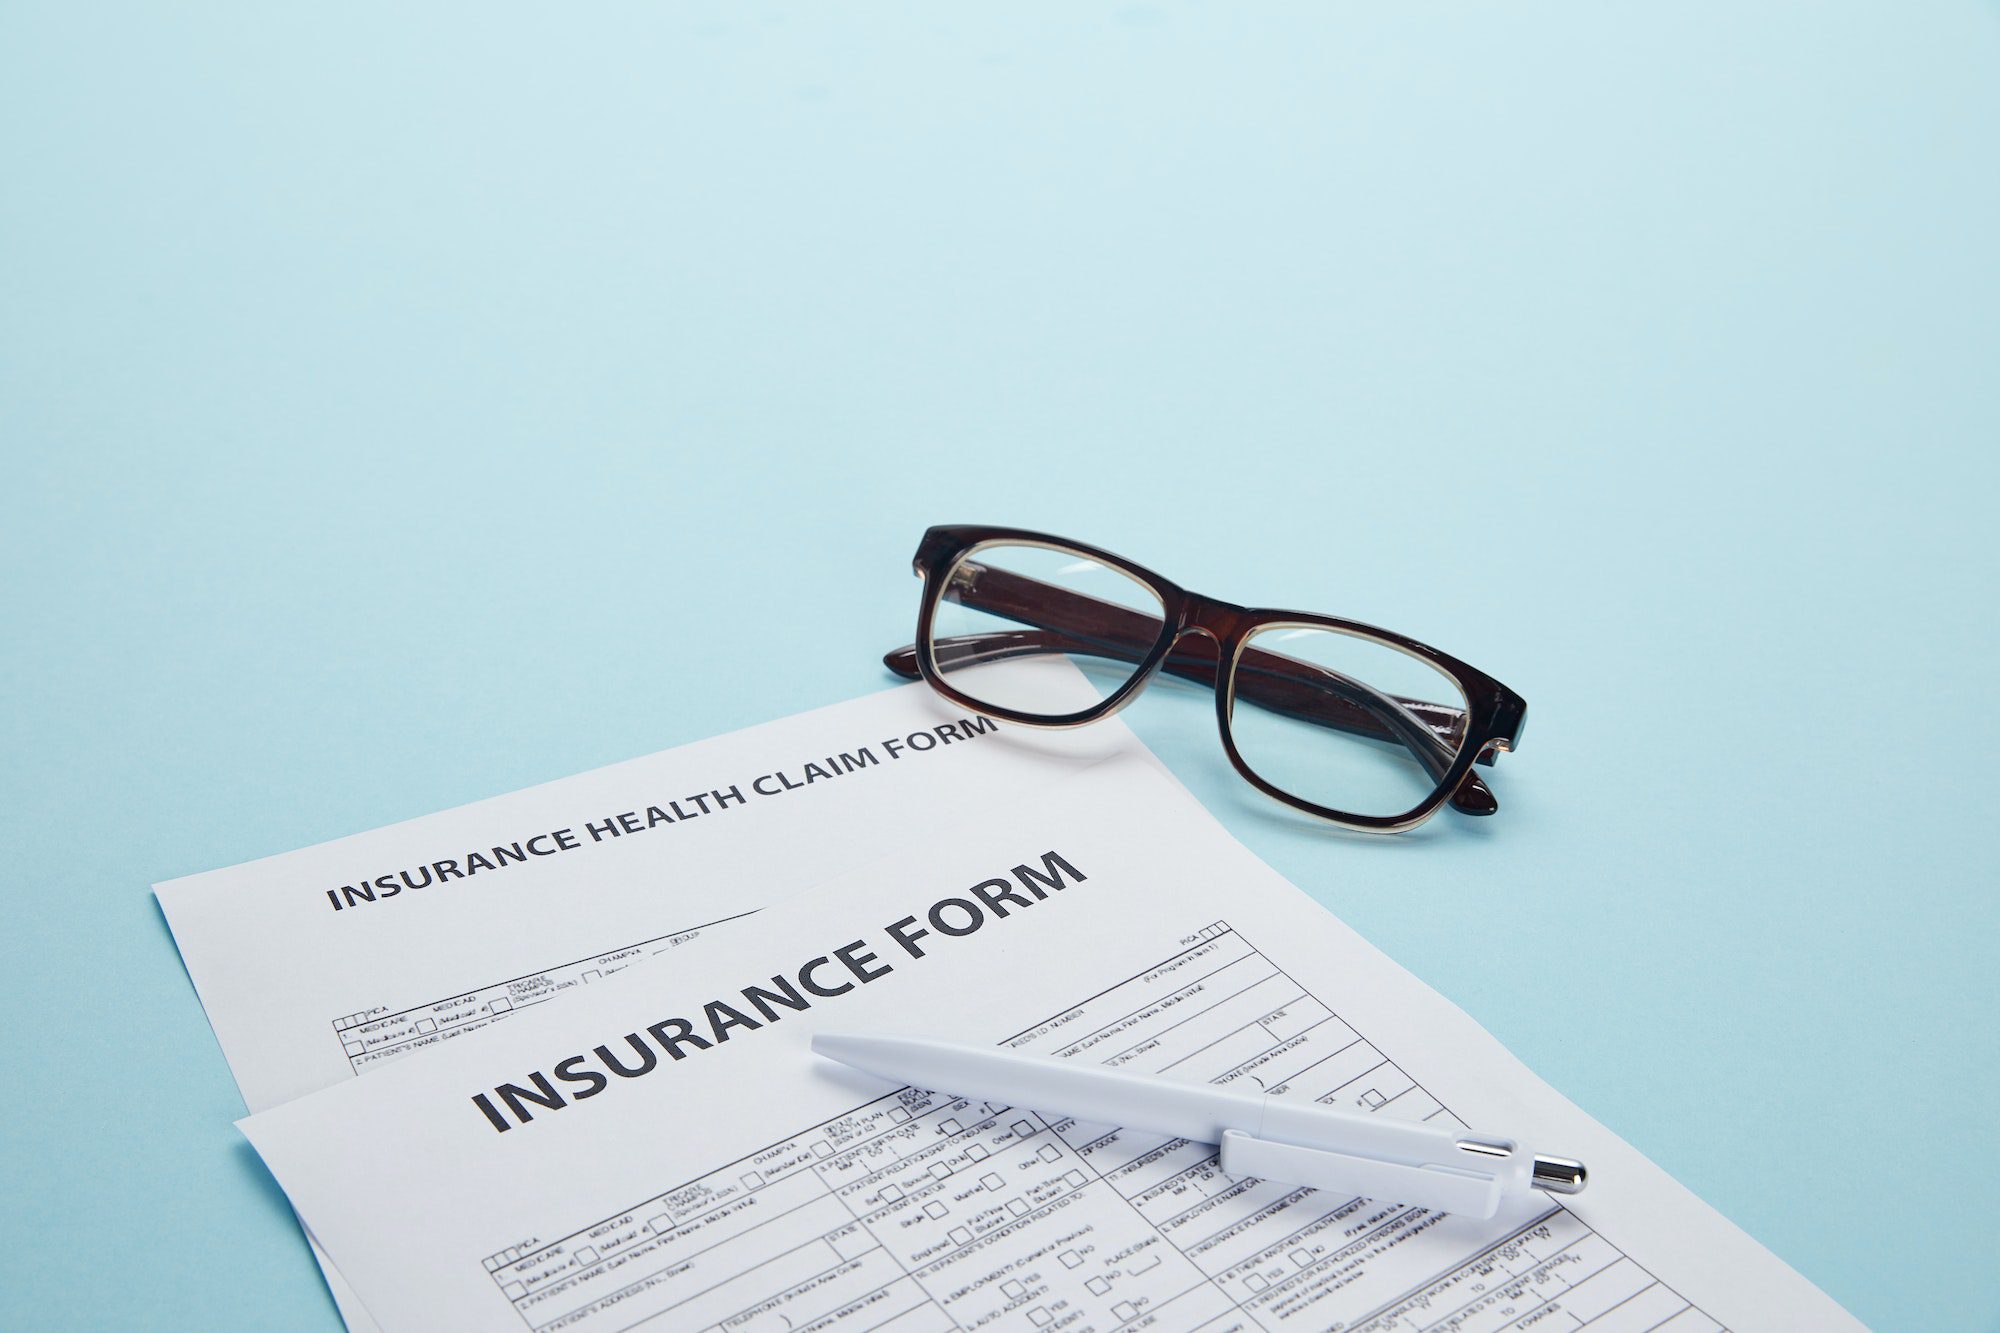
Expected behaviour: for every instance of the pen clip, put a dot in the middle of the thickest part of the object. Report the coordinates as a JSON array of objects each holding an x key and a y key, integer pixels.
[{"x": 1468, "y": 1191}]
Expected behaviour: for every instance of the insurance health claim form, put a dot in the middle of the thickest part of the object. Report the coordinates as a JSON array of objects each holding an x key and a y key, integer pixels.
[
  {"x": 665, "y": 1152},
  {"x": 337, "y": 959}
]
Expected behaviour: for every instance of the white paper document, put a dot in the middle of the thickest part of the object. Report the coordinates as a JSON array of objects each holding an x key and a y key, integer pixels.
[
  {"x": 323, "y": 963},
  {"x": 665, "y": 1152}
]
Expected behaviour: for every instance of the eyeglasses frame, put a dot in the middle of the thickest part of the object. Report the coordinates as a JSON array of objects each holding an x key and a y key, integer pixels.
[{"x": 1495, "y": 715}]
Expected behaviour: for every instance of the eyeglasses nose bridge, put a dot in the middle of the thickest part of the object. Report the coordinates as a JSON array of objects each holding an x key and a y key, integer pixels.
[
  {"x": 1203, "y": 618},
  {"x": 1198, "y": 652},
  {"x": 1211, "y": 617}
]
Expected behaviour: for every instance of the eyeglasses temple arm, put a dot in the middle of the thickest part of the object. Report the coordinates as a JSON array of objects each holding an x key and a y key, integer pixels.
[
  {"x": 1275, "y": 681},
  {"x": 1123, "y": 634}
]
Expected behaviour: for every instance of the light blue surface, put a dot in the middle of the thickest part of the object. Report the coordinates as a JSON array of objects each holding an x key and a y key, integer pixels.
[{"x": 403, "y": 404}]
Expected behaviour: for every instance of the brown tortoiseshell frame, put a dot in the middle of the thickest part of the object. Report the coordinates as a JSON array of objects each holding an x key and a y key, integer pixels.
[{"x": 1205, "y": 640}]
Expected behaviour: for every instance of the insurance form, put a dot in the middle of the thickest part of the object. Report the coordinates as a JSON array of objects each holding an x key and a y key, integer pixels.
[
  {"x": 338, "y": 959},
  {"x": 665, "y": 1152}
]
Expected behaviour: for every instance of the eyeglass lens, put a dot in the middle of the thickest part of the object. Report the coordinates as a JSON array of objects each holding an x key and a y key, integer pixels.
[{"x": 1014, "y": 602}]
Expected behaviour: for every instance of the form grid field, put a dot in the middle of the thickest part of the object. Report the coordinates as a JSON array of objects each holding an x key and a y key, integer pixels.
[
  {"x": 374, "y": 1035},
  {"x": 921, "y": 1212}
]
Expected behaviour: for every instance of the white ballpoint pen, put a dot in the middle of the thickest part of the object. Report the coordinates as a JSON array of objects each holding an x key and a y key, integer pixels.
[{"x": 1293, "y": 1142}]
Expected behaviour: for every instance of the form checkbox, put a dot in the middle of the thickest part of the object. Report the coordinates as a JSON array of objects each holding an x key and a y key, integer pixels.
[
  {"x": 1015, "y": 1289},
  {"x": 892, "y": 1193},
  {"x": 1071, "y": 1259},
  {"x": 1017, "y": 1207},
  {"x": 977, "y": 1152},
  {"x": 935, "y": 1210},
  {"x": 427, "y": 1025},
  {"x": 960, "y": 1235},
  {"x": 1098, "y": 1285},
  {"x": 1022, "y": 1129},
  {"x": 1040, "y": 1316},
  {"x": 500, "y": 1005},
  {"x": 1048, "y": 1152},
  {"x": 991, "y": 1180}
]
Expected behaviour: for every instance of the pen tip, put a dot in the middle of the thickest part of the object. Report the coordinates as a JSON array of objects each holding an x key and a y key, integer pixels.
[{"x": 1559, "y": 1175}]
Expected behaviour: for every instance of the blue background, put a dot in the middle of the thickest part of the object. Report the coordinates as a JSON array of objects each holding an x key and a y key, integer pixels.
[{"x": 403, "y": 404}]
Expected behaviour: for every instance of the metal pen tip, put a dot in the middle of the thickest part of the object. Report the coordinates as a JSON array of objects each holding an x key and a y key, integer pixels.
[{"x": 1559, "y": 1175}]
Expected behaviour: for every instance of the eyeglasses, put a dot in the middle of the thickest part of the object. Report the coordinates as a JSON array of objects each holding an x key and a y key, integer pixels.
[{"x": 1352, "y": 724}]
